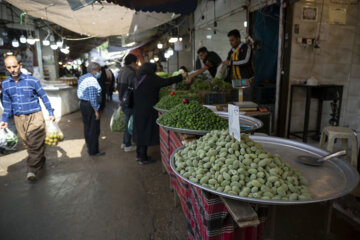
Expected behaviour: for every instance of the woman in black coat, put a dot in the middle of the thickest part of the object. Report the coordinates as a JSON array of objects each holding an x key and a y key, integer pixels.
[{"x": 146, "y": 95}]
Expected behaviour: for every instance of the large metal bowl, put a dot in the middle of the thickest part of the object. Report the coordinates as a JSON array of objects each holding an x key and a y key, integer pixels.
[
  {"x": 248, "y": 124},
  {"x": 334, "y": 179},
  {"x": 160, "y": 110}
]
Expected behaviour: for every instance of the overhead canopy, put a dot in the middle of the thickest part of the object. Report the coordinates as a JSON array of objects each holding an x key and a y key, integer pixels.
[
  {"x": 98, "y": 20},
  {"x": 175, "y": 6}
]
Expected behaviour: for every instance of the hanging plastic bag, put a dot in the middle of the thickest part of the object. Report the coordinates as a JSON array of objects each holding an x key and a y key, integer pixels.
[
  {"x": 222, "y": 71},
  {"x": 130, "y": 125},
  {"x": 118, "y": 121},
  {"x": 53, "y": 134},
  {"x": 8, "y": 139}
]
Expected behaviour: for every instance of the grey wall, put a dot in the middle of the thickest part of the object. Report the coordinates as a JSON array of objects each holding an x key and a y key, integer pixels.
[
  {"x": 229, "y": 16},
  {"x": 336, "y": 62}
]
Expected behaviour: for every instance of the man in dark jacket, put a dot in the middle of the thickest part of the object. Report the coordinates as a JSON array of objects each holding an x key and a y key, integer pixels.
[
  {"x": 211, "y": 62},
  {"x": 126, "y": 79},
  {"x": 239, "y": 58}
]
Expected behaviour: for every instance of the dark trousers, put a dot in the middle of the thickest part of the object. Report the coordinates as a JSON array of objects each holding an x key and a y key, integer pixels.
[
  {"x": 127, "y": 137},
  {"x": 91, "y": 127},
  {"x": 141, "y": 151}
]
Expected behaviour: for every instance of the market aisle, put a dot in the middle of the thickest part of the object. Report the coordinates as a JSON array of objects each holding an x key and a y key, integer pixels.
[{"x": 79, "y": 197}]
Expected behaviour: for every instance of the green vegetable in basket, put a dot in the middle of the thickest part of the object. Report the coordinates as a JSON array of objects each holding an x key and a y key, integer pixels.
[
  {"x": 192, "y": 116},
  {"x": 170, "y": 101},
  {"x": 243, "y": 168}
]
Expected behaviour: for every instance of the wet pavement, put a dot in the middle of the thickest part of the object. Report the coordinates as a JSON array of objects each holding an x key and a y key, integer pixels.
[{"x": 82, "y": 197}]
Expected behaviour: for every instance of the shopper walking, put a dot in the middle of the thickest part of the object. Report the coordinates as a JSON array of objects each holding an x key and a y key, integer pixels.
[
  {"x": 89, "y": 93},
  {"x": 126, "y": 79},
  {"x": 146, "y": 95},
  {"x": 21, "y": 94}
]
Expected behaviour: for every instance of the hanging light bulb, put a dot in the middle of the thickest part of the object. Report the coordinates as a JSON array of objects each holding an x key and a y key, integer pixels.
[
  {"x": 152, "y": 60},
  {"x": 30, "y": 40},
  {"x": 171, "y": 51},
  {"x": 46, "y": 42},
  {"x": 23, "y": 39},
  {"x": 159, "y": 45},
  {"x": 166, "y": 55},
  {"x": 53, "y": 46},
  {"x": 156, "y": 59},
  {"x": 59, "y": 43},
  {"x": 65, "y": 49},
  {"x": 15, "y": 43}
]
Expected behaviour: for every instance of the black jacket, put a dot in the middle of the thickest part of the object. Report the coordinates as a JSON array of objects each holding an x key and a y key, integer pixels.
[
  {"x": 146, "y": 131},
  {"x": 125, "y": 79},
  {"x": 243, "y": 62}
]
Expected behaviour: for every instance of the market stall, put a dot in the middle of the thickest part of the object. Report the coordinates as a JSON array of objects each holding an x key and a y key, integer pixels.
[
  {"x": 63, "y": 98},
  {"x": 208, "y": 210}
]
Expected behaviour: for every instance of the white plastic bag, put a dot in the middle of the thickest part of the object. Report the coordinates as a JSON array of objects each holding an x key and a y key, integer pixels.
[
  {"x": 222, "y": 71},
  {"x": 8, "y": 139},
  {"x": 53, "y": 133},
  {"x": 118, "y": 121}
]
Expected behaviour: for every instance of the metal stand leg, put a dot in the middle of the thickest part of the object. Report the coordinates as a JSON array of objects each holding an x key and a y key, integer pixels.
[
  {"x": 327, "y": 227},
  {"x": 272, "y": 222}
]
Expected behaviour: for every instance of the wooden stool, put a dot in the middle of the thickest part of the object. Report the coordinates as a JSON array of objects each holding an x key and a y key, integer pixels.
[{"x": 344, "y": 134}]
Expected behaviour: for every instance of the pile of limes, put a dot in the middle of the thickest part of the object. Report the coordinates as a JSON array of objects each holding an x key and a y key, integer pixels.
[{"x": 53, "y": 138}]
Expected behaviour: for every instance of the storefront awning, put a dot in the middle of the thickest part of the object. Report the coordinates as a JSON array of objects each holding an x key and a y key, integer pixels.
[{"x": 97, "y": 20}]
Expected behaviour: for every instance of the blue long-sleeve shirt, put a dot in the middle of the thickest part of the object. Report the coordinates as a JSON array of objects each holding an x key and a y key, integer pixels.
[
  {"x": 22, "y": 98},
  {"x": 89, "y": 90}
]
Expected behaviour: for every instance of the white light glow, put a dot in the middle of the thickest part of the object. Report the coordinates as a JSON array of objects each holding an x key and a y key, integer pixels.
[
  {"x": 15, "y": 43},
  {"x": 245, "y": 23},
  {"x": 173, "y": 40},
  {"x": 160, "y": 45},
  {"x": 46, "y": 42},
  {"x": 30, "y": 40},
  {"x": 152, "y": 60},
  {"x": 53, "y": 46},
  {"x": 209, "y": 36},
  {"x": 156, "y": 59},
  {"x": 22, "y": 39},
  {"x": 59, "y": 44}
]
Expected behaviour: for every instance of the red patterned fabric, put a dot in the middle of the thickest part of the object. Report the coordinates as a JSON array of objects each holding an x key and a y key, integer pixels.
[{"x": 208, "y": 217}]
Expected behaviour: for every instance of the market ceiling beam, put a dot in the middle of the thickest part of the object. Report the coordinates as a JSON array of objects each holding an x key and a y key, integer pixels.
[{"x": 174, "y": 6}]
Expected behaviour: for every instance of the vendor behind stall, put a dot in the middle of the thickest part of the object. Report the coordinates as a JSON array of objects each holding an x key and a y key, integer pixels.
[
  {"x": 211, "y": 62},
  {"x": 239, "y": 58}
]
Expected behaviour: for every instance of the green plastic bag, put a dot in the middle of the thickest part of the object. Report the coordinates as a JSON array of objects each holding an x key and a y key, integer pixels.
[{"x": 8, "y": 139}]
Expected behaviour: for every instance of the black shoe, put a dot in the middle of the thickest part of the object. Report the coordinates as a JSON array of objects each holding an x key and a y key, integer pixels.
[
  {"x": 144, "y": 161},
  {"x": 97, "y": 154}
]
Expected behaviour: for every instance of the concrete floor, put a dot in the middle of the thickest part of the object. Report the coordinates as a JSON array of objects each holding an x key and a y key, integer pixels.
[{"x": 80, "y": 197}]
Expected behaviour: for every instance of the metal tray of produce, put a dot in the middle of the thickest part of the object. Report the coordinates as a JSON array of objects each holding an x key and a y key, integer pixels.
[
  {"x": 334, "y": 179},
  {"x": 248, "y": 124},
  {"x": 182, "y": 130},
  {"x": 160, "y": 110}
]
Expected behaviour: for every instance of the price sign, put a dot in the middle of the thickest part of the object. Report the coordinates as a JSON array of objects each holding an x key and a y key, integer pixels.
[{"x": 234, "y": 123}]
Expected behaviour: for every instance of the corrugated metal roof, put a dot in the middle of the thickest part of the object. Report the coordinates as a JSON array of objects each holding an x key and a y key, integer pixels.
[{"x": 175, "y": 6}]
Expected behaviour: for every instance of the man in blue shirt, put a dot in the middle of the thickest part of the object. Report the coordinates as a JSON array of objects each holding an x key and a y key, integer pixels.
[
  {"x": 21, "y": 94},
  {"x": 89, "y": 93}
]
